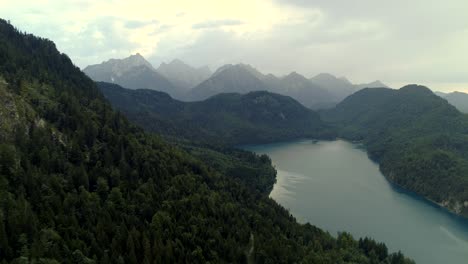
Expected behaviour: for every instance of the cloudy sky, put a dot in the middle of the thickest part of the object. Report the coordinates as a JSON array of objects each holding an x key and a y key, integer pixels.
[{"x": 396, "y": 41}]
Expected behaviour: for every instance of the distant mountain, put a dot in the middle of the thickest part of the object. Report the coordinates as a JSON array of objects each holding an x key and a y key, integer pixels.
[
  {"x": 228, "y": 118},
  {"x": 238, "y": 78},
  {"x": 457, "y": 99},
  {"x": 441, "y": 94},
  {"x": 183, "y": 76},
  {"x": 133, "y": 72},
  {"x": 319, "y": 92},
  {"x": 374, "y": 84},
  {"x": 340, "y": 88},
  {"x": 242, "y": 78},
  {"x": 418, "y": 138},
  {"x": 303, "y": 90}
]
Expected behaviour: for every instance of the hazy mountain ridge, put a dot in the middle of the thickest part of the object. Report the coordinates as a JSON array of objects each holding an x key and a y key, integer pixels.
[
  {"x": 185, "y": 82},
  {"x": 228, "y": 79},
  {"x": 323, "y": 90},
  {"x": 227, "y": 118},
  {"x": 134, "y": 72},
  {"x": 116, "y": 67},
  {"x": 457, "y": 99},
  {"x": 182, "y": 75}
]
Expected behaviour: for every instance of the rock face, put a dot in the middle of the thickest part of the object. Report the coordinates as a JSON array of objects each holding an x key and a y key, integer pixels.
[
  {"x": 183, "y": 76},
  {"x": 114, "y": 68},
  {"x": 134, "y": 72}
]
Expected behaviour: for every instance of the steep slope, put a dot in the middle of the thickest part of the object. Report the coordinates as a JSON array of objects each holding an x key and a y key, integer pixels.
[
  {"x": 228, "y": 79},
  {"x": 418, "y": 138},
  {"x": 133, "y": 72},
  {"x": 183, "y": 76},
  {"x": 222, "y": 119},
  {"x": 457, "y": 99},
  {"x": 79, "y": 184},
  {"x": 320, "y": 92}
]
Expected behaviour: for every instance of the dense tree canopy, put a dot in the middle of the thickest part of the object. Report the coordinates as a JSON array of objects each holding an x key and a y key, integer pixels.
[
  {"x": 80, "y": 184},
  {"x": 420, "y": 141},
  {"x": 224, "y": 119}
]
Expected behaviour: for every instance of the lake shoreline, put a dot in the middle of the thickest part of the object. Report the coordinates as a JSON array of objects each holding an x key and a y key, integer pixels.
[{"x": 359, "y": 198}]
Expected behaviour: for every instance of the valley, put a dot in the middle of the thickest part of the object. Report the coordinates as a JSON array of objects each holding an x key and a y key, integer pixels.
[
  {"x": 79, "y": 183},
  {"x": 126, "y": 162},
  {"x": 336, "y": 186}
]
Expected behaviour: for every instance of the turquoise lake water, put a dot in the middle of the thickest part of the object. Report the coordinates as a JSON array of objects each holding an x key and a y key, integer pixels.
[{"x": 334, "y": 185}]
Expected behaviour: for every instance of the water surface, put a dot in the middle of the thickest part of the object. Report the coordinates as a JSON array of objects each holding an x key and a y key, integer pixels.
[{"x": 334, "y": 185}]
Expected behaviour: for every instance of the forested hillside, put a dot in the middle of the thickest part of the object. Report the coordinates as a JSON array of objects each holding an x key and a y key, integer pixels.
[
  {"x": 419, "y": 139},
  {"x": 80, "y": 184},
  {"x": 222, "y": 119}
]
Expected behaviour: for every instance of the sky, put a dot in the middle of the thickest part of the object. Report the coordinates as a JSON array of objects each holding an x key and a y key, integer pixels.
[{"x": 397, "y": 42}]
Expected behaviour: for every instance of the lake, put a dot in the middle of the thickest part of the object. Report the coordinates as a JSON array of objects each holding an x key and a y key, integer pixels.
[{"x": 334, "y": 185}]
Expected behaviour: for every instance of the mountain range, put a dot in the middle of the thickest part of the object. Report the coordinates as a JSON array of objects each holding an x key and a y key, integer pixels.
[
  {"x": 227, "y": 118},
  {"x": 187, "y": 83},
  {"x": 183, "y": 76},
  {"x": 457, "y": 99},
  {"x": 134, "y": 72},
  {"x": 79, "y": 183}
]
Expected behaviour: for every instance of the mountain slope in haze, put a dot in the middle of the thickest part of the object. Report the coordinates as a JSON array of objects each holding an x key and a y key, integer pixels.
[
  {"x": 133, "y": 72},
  {"x": 321, "y": 91},
  {"x": 303, "y": 90},
  {"x": 183, "y": 76},
  {"x": 340, "y": 88},
  {"x": 80, "y": 184},
  {"x": 374, "y": 84},
  {"x": 228, "y": 79},
  {"x": 242, "y": 78},
  {"x": 457, "y": 99},
  {"x": 418, "y": 138},
  {"x": 224, "y": 118}
]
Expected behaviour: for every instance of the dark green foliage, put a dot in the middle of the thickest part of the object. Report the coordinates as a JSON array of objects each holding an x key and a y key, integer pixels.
[
  {"x": 222, "y": 119},
  {"x": 250, "y": 169},
  {"x": 79, "y": 184},
  {"x": 419, "y": 140}
]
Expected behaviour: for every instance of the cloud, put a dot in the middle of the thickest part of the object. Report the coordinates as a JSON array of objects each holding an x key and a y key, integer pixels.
[
  {"x": 217, "y": 23},
  {"x": 395, "y": 41},
  {"x": 133, "y": 24}
]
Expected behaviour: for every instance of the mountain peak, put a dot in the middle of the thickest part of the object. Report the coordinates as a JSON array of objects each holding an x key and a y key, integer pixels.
[
  {"x": 374, "y": 84},
  {"x": 136, "y": 60},
  {"x": 177, "y": 62},
  {"x": 183, "y": 75},
  {"x": 240, "y": 67},
  {"x": 118, "y": 67},
  {"x": 324, "y": 76},
  {"x": 294, "y": 76},
  {"x": 415, "y": 88},
  {"x": 133, "y": 72}
]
